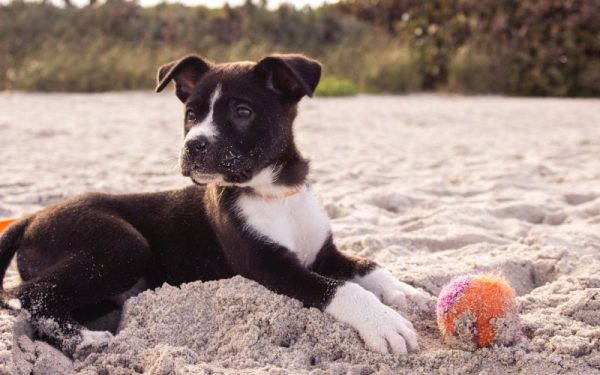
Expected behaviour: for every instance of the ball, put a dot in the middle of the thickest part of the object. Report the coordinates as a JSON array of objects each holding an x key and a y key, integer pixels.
[{"x": 476, "y": 311}]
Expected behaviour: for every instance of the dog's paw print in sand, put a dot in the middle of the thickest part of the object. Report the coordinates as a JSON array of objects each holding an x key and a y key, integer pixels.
[
  {"x": 585, "y": 307},
  {"x": 529, "y": 213},
  {"x": 394, "y": 203},
  {"x": 575, "y": 199},
  {"x": 571, "y": 317}
]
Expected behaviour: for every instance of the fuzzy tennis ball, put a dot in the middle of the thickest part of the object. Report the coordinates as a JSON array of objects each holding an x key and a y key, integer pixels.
[{"x": 475, "y": 311}]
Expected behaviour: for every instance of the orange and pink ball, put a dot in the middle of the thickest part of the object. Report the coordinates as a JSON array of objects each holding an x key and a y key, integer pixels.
[{"x": 476, "y": 311}]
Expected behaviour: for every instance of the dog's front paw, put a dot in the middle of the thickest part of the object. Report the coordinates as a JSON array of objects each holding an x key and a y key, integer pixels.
[
  {"x": 92, "y": 341},
  {"x": 392, "y": 291},
  {"x": 382, "y": 329}
]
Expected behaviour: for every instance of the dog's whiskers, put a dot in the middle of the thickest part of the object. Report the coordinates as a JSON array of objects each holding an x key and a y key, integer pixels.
[{"x": 175, "y": 165}]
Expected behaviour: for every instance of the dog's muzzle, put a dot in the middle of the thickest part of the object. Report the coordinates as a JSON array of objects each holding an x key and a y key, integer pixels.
[
  {"x": 194, "y": 155},
  {"x": 201, "y": 157}
]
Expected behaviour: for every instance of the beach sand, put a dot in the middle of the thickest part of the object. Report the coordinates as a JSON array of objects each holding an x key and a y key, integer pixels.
[{"x": 430, "y": 187}]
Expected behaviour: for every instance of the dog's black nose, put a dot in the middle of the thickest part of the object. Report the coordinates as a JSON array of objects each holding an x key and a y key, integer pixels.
[{"x": 197, "y": 145}]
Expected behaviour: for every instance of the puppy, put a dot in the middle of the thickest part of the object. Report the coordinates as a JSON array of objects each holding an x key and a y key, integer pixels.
[{"x": 250, "y": 212}]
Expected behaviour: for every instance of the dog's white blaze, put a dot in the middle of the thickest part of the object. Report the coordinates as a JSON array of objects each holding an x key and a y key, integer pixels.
[
  {"x": 206, "y": 127},
  {"x": 297, "y": 223},
  {"x": 381, "y": 328}
]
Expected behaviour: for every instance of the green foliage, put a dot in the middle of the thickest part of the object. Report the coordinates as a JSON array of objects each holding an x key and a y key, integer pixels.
[
  {"x": 475, "y": 72},
  {"x": 394, "y": 70},
  {"x": 538, "y": 47},
  {"x": 330, "y": 86}
]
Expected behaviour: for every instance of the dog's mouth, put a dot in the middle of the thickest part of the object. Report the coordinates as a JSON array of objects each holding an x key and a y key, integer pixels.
[
  {"x": 205, "y": 178},
  {"x": 215, "y": 169}
]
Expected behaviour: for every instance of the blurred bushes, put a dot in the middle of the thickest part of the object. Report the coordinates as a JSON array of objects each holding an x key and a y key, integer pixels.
[
  {"x": 473, "y": 71},
  {"x": 535, "y": 47},
  {"x": 336, "y": 87},
  {"x": 393, "y": 70}
]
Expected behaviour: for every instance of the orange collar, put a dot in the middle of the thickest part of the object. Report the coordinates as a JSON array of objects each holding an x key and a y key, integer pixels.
[{"x": 287, "y": 194}]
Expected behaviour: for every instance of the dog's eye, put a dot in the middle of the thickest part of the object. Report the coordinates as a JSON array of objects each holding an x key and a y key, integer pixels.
[
  {"x": 243, "y": 111},
  {"x": 190, "y": 115}
]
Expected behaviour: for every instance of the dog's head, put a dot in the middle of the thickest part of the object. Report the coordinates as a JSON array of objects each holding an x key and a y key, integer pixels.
[{"x": 238, "y": 117}]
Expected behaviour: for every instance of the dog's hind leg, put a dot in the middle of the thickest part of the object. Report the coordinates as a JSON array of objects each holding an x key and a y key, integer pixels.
[
  {"x": 49, "y": 322},
  {"x": 92, "y": 276}
]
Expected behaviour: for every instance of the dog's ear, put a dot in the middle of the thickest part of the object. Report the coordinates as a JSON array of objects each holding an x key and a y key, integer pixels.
[
  {"x": 290, "y": 75},
  {"x": 186, "y": 72}
]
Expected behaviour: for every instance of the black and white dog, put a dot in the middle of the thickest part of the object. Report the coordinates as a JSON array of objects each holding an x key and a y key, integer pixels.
[{"x": 250, "y": 213}]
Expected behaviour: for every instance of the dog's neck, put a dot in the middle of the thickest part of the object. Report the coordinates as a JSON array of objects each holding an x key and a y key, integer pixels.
[
  {"x": 293, "y": 169},
  {"x": 288, "y": 178},
  {"x": 283, "y": 179},
  {"x": 275, "y": 193}
]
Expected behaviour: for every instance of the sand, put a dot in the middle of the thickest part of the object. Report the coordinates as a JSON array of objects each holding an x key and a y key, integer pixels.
[{"x": 429, "y": 186}]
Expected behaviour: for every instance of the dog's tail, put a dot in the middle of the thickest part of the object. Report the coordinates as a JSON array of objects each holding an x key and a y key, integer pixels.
[{"x": 9, "y": 243}]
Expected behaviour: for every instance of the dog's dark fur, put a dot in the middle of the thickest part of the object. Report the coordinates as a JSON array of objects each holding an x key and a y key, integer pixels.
[{"x": 77, "y": 256}]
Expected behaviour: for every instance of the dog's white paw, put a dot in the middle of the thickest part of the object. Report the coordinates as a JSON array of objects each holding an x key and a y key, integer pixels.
[
  {"x": 382, "y": 329},
  {"x": 92, "y": 341},
  {"x": 14, "y": 304},
  {"x": 94, "y": 338},
  {"x": 392, "y": 291}
]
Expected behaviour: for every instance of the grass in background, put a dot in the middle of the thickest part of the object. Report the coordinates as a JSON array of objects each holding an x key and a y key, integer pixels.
[
  {"x": 474, "y": 72},
  {"x": 396, "y": 70},
  {"x": 330, "y": 86},
  {"x": 542, "y": 47}
]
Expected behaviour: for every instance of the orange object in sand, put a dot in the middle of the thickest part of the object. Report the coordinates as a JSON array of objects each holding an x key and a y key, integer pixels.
[
  {"x": 5, "y": 223},
  {"x": 478, "y": 311}
]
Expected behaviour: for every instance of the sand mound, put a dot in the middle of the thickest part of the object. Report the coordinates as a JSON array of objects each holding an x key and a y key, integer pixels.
[
  {"x": 237, "y": 324},
  {"x": 431, "y": 187}
]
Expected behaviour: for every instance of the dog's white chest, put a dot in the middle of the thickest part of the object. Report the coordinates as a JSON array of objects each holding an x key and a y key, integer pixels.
[{"x": 297, "y": 222}]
